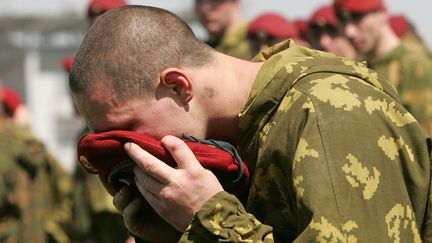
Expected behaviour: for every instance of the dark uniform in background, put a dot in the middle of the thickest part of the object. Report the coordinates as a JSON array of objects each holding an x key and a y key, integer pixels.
[{"x": 35, "y": 199}]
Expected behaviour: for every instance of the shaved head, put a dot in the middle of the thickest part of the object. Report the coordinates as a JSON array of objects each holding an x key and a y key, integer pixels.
[{"x": 127, "y": 47}]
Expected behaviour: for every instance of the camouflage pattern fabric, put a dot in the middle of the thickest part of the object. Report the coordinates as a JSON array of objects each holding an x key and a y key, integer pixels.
[
  {"x": 35, "y": 203},
  {"x": 338, "y": 159},
  {"x": 97, "y": 220},
  {"x": 234, "y": 43},
  {"x": 409, "y": 68}
]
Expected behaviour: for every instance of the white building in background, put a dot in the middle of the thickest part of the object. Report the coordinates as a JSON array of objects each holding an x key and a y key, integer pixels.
[
  {"x": 53, "y": 117},
  {"x": 31, "y": 53}
]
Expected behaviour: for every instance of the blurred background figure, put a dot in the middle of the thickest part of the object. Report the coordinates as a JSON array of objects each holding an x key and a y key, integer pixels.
[
  {"x": 35, "y": 191},
  {"x": 302, "y": 26},
  {"x": 225, "y": 26},
  {"x": 325, "y": 34},
  {"x": 95, "y": 217},
  {"x": 405, "y": 29},
  {"x": 269, "y": 29},
  {"x": 13, "y": 106},
  {"x": 408, "y": 66},
  {"x": 97, "y": 7},
  {"x": 67, "y": 63}
]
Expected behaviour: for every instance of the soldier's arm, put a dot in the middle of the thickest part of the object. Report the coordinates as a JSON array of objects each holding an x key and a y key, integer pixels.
[
  {"x": 416, "y": 90},
  {"x": 223, "y": 218}
]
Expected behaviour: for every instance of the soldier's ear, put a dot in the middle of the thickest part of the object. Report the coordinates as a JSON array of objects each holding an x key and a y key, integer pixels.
[{"x": 179, "y": 82}]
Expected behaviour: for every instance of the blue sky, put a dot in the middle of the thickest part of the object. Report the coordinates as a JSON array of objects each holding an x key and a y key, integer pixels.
[{"x": 417, "y": 10}]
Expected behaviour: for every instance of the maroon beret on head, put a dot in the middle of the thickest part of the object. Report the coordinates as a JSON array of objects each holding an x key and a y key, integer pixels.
[
  {"x": 324, "y": 16},
  {"x": 11, "y": 100},
  {"x": 358, "y": 6},
  {"x": 274, "y": 25},
  {"x": 67, "y": 63},
  {"x": 399, "y": 25},
  {"x": 302, "y": 28},
  {"x": 100, "y": 6},
  {"x": 103, "y": 153}
]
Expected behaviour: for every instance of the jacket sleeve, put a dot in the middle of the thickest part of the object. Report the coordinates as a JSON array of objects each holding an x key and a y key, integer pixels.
[{"x": 223, "y": 219}]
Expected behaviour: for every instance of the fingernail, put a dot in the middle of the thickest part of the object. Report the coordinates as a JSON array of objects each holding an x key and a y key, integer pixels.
[{"x": 127, "y": 145}]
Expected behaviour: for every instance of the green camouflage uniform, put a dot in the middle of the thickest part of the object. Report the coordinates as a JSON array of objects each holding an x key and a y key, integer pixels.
[
  {"x": 234, "y": 43},
  {"x": 338, "y": 159},
  {"x": 35, "y": 203},
  {"x": 409, "y": 68},
  {"x": 97, "y": 220}
]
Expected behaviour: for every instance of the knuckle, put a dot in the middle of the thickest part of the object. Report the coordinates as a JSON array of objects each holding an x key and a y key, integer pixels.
[
  {"x": 174, "y": 143},
  {"x": 195, "y": 173},
  {"x": 149, "y": 167},
  {"x": 165, "y": 194}
]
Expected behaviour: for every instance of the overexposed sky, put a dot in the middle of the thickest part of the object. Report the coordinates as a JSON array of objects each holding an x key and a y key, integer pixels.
[{"x": 418, "y": 11}]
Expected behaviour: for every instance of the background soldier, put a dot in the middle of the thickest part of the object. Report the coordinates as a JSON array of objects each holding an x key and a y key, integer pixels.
[
  {"x": 35, "y": 199},
  {"x": 325, "y": 34},
  {"x": 270, "y": 28},
  {"x": 408, "y": 65},
  {"x": 223, "y": 21}
]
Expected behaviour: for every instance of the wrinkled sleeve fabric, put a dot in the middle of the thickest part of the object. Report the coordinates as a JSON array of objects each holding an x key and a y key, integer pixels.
[{"x": 224, "y": 219}]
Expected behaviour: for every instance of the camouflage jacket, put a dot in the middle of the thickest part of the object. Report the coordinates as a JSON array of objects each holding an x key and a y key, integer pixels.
[
  {"x": 234, "y": 43},
  {"x": 35, "y": 203},
  {"x": 338, "y": 159},
  {"x": 409, "y": 68}
]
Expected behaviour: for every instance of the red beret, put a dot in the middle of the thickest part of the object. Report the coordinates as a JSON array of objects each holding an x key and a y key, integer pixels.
[
  {"x": 303, "y": 28},
  {"x": 101, "y": 6},
  {"x": 324, "y": 16},
  {"x": 67, "y": 63},
  {"x": 11, "y": 100},
  {"x": 103, "y": 153},
  {"x": 358, "y": 6},
  {"x": 274, "y": 25},
  {"x": 399, "y": 24}
]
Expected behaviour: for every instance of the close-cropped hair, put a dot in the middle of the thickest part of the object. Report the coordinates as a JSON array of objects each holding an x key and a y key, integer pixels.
[{"x": 127, "y": 47}]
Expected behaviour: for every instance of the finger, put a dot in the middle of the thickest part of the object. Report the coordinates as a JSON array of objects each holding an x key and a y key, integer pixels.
[
  {"x": 122, "y": 198},
  {"x": 132, "y": 214},
  {"x": 181, "y": 153},
  {"x": 146, "y": 183},
  {"x": 110, "y": 188},
  {"x": 150, "y": 164}
]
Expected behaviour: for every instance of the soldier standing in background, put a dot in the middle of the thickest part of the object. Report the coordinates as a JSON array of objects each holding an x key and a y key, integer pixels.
[
  {"x": 303, "y": 29},
  {"x": 224, "y": 23},
  {"x": 269, "y": 29},
  {"x": 14, "y": 107},
  {"x": 333, "y": 154},
  {"x": 408, "y": 66},
  {"x": 95, "y": 218},
  {"x": 406, "y": 30},
  {"x": 325, "y": 34},
  {"x": 35, "y": 191}
]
